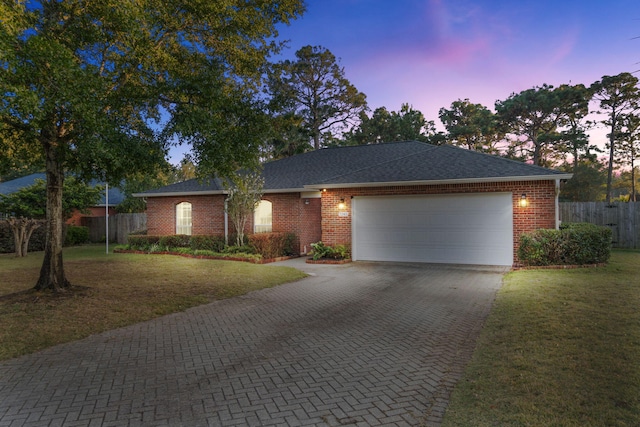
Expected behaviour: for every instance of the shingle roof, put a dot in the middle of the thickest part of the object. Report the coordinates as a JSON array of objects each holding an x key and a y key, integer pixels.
[
  {"x": 115, "y": 195},
  {"x": 390, "y": 163}
]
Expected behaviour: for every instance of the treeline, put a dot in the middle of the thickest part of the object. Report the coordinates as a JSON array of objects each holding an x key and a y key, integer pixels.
[{"x": 312, "y": 105}]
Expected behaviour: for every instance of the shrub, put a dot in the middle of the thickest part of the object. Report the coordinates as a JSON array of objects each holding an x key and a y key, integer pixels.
[
  {"x": 76, "y": 235},
  {"x": 7, "y": 246},
  {"x": 320, "y": 250},
  {"x": 142, "y": 243},
  {"x": 239, "y": 249},
  {"x": 273, "y": 245},
  {"x": 175, "y": 241},
  {"x": 573, "y": 244},
  {"x": 211, "y": 243}
]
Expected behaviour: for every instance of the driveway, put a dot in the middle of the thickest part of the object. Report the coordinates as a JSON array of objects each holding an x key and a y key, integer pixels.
[{"x": 357, "y": 344}]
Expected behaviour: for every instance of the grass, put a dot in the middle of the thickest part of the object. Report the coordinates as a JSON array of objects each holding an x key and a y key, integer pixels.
[
  {"x": 114, "y": 290},
  {"x": 560, "y": 348}
]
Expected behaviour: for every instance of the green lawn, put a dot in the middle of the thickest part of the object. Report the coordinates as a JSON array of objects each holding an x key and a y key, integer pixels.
[
  {"x": 114, "y": 290},
  {"x": 560, "y": 348}
]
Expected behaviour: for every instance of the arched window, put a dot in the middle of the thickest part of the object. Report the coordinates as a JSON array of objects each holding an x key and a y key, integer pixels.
[
  {"x": 263, "y": 217},
  {"x": 183, "y": 218}
]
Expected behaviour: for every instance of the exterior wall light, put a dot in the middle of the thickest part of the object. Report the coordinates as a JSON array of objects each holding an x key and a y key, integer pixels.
[
  {"x": 341, "y": 205},
  {"x": 523, "y": 201}
]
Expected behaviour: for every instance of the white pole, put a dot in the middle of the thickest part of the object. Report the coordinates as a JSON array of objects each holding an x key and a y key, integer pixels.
[{"x": 106, "y": 215}]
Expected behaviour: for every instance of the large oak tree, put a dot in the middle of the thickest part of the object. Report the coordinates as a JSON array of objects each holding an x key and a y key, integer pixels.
[{"x": 99, "y": 88}]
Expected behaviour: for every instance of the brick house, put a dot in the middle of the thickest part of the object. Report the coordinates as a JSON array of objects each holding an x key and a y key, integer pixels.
[
  {"x": 405, "y": 201},
  {"x": 115, "y": 198}
]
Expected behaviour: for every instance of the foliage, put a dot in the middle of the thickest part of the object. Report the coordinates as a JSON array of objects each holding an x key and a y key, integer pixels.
[
  {"x": 315, "y": 89},
  {"x": 320, "y": 250},
  {"x": 273, "y": 245},
  {"x": 573, "y": 244},
  {"x": 588, "y": 183},
  {"x": 138, "y": 182},
  {"x": 211, "y": 243},
  {"x": 26, "y": 206},
  {"x": 141, "y": 242},
  {"x": 471, "y": 126},
  {"x": 627, "y": 150},
  {"x": 101, "y": 88},
  {"x": 407, "y": 124},
  {"x": 537, "y": 116},
  {"x": 244, "y": 193},
  {"x": 617, "y": 96},
  {"x": 7, "y": 240},
  {"x": 28, "y": 202},
  {"x": 76, "y": 235},
  {"x": 175, "y": 241},
  {"x": 289, "y": 137}
]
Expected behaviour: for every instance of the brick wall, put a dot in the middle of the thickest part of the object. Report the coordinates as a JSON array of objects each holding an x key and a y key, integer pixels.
[
  {"x": 540, "y": 213},
  {"x": 77, "y": 216},
  {"x": 207, "y": 213},
  {"x": 290, "y": 214}
]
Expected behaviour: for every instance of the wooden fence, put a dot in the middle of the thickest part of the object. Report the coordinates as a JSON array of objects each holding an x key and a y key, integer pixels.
[
  {"x": 120, "y": 226},
  {"x": 622, "y": 218}
]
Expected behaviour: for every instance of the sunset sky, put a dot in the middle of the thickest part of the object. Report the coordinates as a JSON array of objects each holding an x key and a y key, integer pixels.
[{"x": 429, "y": 53}]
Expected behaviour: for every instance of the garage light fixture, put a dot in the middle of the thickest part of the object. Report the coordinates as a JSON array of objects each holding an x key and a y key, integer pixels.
[
  {"x": 341, "y": 205},
  {"x": 523, "y": 201}
]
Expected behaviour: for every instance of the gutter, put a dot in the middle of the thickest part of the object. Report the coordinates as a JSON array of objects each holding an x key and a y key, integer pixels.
[{"x": 557, "y": 177}]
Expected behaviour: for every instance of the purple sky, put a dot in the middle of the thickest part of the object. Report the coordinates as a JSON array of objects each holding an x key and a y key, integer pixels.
[{"x": 429, "y": 53}]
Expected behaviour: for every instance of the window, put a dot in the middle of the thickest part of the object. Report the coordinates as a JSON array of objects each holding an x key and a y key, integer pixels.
[
  {"x": 183, "y": 218},
  {"x": 263, "y": 217}
]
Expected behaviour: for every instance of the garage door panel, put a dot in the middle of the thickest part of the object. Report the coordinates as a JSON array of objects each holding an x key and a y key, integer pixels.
[{"x": 467, "y": 229}]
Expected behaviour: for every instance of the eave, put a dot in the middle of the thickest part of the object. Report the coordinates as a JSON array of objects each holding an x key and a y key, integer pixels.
[{"x": 441, "y": 181}]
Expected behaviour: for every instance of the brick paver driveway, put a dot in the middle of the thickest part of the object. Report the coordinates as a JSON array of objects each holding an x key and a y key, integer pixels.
[{"x": 358, "y": 344}]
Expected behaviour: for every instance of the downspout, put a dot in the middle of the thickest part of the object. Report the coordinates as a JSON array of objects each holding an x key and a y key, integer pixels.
[
  {"x": 226, "y": 223},
  {"x": 557, "y": 204}
]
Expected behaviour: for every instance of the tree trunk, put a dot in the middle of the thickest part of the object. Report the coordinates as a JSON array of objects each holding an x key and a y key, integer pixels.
[
  {"x": 612, "y": 141},
  {"x": 22, "y": 229},
  {"x": 52, "y": 272}
]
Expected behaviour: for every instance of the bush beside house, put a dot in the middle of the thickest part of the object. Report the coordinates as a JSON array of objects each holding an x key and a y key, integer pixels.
[
  {"x": 572, "y": 244},
  {"x": 262, "y": 246}
]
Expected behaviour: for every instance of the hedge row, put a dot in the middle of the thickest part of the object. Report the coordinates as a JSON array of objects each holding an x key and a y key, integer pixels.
[
  {"x": 269, "y": 245},
  {"x": 573, "y": 244},
  {"x": 73, "y": 235}
]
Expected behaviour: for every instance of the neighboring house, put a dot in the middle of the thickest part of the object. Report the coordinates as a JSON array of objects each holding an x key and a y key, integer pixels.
[
  {"x": 404, "y": 201},
  {"x": 115, "y": 197}
]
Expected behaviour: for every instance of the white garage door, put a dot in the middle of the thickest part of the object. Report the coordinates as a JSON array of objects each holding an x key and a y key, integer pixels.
[{"x": 457, "y": 229}]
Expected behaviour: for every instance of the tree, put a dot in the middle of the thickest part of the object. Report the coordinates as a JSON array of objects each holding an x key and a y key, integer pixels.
[
  {"x": 26, "y": 211},
  {"x": 617, "y": 96},
  {"x": 472, "y": 126},
  {"x": 244, "y": 193},
  {"x": 628, "y": 149},
  {"x": 289, "y": 137},
  {"x": 101, "y": 88},
  {"x": 407, "y": 124},
  {"x": 536, "y": 116},
  {"x": 315, "y": 88},
  {"x": 573, "y": 139},
  {"x": 587, "y": 183}
]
